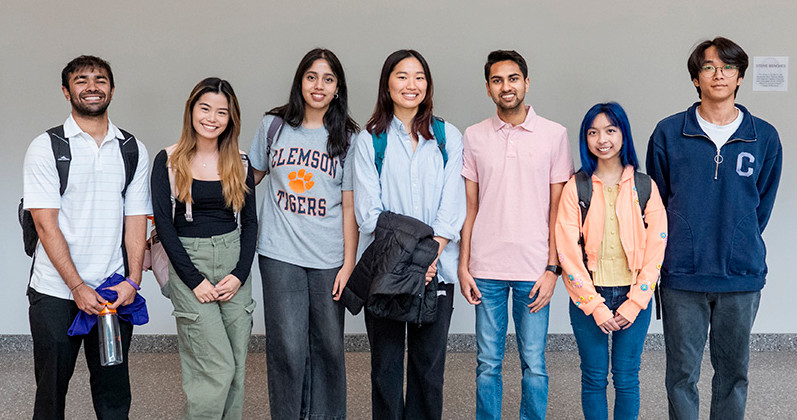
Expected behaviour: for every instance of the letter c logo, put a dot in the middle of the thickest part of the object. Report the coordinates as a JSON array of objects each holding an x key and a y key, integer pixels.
[{"x": 740, "y": 163}]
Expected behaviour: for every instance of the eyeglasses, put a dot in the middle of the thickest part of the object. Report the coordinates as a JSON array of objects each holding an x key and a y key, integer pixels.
[{"x": 728, "y": 70}]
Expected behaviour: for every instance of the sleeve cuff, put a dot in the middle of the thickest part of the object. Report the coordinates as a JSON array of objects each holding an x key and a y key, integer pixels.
[
  {"x": 629, "y": 310},
  {"x": 602, "y": 314}
]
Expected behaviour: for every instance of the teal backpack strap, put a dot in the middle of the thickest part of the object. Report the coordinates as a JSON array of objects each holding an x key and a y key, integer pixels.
[
  {"x": 439, "y": 130},
  {"x": 380, "y": 144}
]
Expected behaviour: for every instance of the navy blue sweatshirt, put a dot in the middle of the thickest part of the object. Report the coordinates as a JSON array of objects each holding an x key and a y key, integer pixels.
[{"x": 718, "y": 202}]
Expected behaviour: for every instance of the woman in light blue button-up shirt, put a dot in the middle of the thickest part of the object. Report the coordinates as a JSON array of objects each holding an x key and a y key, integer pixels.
[{"x": 417, "y": 180}]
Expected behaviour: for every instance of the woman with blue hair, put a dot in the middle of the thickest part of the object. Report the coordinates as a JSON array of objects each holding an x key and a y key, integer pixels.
[{"x": 610, "y": 258}]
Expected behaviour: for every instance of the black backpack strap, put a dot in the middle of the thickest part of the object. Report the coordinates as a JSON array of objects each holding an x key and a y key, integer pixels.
[
  {"x": 62, "y": 154},
  {"x": 274, "y": 130},
  {"x": 129, "y": 148},
  {"x": 584, "y": 190},
  {"x": 643, "y": 185}
]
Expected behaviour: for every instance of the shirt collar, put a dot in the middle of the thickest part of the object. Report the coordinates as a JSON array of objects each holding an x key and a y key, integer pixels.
[
  {"x": 397, "y": 125},
  {"x": 527, "y": 124},
  {"x": 71, "y": 129},
  {"x": 746, "y": 130},
  {"x": 628, "y": 173}
]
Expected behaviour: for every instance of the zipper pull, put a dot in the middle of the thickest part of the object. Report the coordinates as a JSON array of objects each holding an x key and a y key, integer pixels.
[{"x": 717, "y": 160}]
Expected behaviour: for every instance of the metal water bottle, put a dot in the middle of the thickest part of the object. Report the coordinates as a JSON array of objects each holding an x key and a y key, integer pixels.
[{"x": 110, "y": 337}]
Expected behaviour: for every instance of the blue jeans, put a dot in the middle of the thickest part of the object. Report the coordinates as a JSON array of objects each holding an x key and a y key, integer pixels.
[
  {"x": 626, "y": 353},
  {"x": 532, "y": 334},
  {"x": 304, "y": 342},
  {"x": 727, "y": 319}
]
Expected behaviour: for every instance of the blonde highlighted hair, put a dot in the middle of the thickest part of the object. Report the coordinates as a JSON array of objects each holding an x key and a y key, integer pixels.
[{"x": 230, "y": 167}]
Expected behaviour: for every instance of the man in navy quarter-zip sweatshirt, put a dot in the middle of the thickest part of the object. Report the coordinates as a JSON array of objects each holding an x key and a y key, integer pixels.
[{"x": 717, "y": 168}]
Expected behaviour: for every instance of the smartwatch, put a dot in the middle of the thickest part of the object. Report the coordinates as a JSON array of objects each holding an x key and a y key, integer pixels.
[{"x": 554, "y": 269}]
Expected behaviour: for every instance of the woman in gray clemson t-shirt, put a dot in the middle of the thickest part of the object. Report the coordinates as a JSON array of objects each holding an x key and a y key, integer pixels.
[{"x": 308, "y": 239}]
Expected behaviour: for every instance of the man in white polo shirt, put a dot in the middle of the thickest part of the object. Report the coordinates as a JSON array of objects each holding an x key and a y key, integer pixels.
[
  {"x": 515, "y": 165},
  {"x": 80, "y": 241}
]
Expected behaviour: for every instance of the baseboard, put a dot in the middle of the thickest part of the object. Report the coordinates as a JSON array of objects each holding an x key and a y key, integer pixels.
[{"x": 458, "y": 343}]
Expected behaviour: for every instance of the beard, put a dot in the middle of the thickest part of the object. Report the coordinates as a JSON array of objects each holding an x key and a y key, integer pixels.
[
  {"x": 517, "y": 105},
  {"x": 89, "y": 110}
]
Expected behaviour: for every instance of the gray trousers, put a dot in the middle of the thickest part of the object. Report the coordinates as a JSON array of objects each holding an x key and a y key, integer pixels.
[
  {"x": 213, "y": 337},
  {"x": 726, "y": 318}
]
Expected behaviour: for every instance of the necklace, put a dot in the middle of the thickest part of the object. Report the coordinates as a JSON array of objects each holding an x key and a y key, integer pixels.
[{"x": 205, "y": 164}]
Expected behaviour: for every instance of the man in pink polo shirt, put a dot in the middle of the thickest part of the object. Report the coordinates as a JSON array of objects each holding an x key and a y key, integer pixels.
[{"x": 515, "y": 165}]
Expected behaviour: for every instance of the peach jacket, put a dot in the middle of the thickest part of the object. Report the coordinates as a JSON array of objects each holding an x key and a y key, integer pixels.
[{"x": 644, "y": 248}]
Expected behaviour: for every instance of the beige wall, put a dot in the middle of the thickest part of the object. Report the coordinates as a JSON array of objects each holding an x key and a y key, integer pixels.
[{"x": 579, "y": 52}]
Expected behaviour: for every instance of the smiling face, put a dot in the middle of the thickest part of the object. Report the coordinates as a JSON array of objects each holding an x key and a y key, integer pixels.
[
  {"x": 89, "y": 91},
  {"x": 716, "y": 87},
  {"x": 210, "y": 115},
  {"x": 604, "y": 139},
  {"x": 319, "y": 85},
  {"x": 407, "y": 85},
  {"x": 506, "y": 85}
]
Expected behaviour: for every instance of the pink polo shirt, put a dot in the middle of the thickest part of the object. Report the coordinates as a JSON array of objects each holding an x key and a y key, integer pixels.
[{"x": 514, "y": 167}]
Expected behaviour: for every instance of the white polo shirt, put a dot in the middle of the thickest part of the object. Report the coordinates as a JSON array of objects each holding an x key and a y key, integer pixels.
[{"x": 91, "y": 209}]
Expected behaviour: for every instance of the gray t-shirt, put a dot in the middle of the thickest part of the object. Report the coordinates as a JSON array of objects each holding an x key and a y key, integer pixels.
[{"x": 301, "y": 221}]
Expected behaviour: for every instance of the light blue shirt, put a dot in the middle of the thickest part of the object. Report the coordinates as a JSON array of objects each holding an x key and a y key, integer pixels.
[{"x": 413, "y": 183}]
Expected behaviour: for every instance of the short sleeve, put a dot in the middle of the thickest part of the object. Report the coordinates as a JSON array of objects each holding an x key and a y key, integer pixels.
[
  {"x": 348, "y": 171},
  {"x": 257, "y": 152},
  {"x": 41, "y": 185},
  {"x": 469, "y": 168},
  {"x": 138, "y": 200},
  {"x": 561, "y": 160}
]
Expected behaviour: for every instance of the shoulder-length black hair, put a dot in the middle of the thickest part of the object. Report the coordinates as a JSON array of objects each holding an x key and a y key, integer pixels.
[
  {"x": 383, "y": 111},
  {"x": 617, "y": 116},
  {"x": 337, "y": 120}
]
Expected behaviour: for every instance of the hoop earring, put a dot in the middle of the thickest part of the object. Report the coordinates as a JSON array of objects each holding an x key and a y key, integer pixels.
[{"x": 335, "y": 97}]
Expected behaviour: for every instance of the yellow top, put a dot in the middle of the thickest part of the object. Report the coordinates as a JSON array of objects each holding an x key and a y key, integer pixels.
[{"x": 612, "y": 262}]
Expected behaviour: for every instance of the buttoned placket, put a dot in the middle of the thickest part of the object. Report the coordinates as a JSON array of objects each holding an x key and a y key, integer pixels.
[
  {"x": 511, "y": 144},
  {"x": 415, "y": 178}
]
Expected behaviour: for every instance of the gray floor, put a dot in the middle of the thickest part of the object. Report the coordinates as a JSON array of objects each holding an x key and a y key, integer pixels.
[{"x": 157, "y": 394}]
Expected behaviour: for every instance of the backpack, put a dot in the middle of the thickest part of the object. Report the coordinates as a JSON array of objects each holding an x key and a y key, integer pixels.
[
  {"x": 63, "y": 158},
  {"x": 642, "y": 183},
  {"x": 380, "y": 143},
  {"x": 155, "y": 257}
]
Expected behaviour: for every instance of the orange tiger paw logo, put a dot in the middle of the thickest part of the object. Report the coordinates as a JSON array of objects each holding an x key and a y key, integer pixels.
[{"x": 300, "y": 181}]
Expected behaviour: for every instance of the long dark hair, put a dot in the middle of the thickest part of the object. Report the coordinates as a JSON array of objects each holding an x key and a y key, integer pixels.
[
  {"x": 383, "y": 111},
  {"x": 337, "y": 120}
]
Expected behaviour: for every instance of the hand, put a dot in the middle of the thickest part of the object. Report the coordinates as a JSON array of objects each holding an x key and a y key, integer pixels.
[
  {"x": 609, "y": 326},
  {"x": 227, "y": 287},
  {"x": 125, "y": 293},
  {"x": 622, "y": 322},
  {"x": 205, "y": 292},
  {"x": 431, "y": 271},
  {"x": 87, "y": 299},
  {"x": 340, "y": 281},
  {"x": 467, "y": 285},
  {"x": 543, "y": 288}
]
